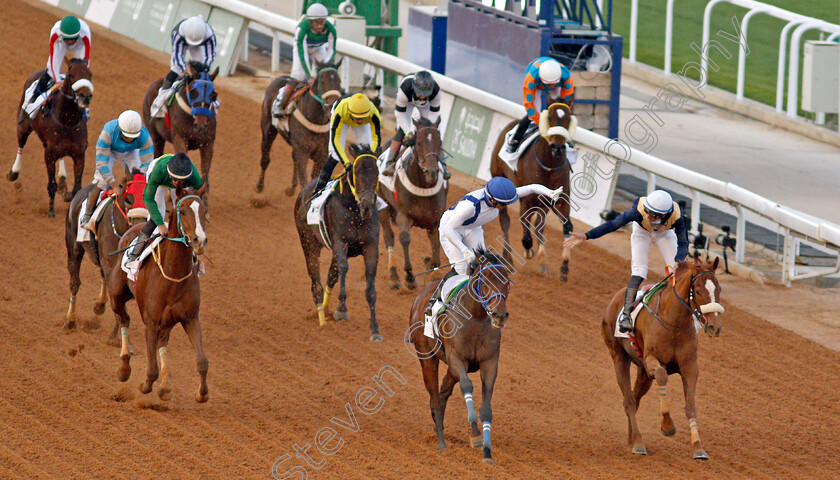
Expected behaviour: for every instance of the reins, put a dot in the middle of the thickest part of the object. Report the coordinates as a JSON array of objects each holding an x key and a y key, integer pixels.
[
  {"x": 182, "y": 239},
  {"x": 696, "y": 314}
]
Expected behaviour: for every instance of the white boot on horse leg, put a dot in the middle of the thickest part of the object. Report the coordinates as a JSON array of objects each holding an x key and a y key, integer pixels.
[{"x": 16, "y": 167}]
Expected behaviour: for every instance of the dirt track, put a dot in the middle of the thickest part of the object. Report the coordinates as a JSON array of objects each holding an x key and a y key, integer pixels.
[{"x": 768, "y": 400}]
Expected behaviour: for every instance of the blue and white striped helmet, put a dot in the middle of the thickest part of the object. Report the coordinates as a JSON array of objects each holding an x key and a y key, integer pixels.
[{"x": 501, "y": 190}]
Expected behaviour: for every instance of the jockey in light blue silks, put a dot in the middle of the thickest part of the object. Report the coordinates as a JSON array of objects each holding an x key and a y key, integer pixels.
[{"x": 461, "y": 231}]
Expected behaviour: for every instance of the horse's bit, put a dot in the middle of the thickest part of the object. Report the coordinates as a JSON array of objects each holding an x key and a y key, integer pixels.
[{"x": 478, "y": 286}]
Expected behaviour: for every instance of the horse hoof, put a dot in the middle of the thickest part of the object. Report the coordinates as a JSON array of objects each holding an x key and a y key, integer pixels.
[
  {"x": 441, "y": 446},
  {"x": 340, "y": 316},
  {"x": 410, "y": 285},
  {"x": 639, "y": 450},
  {"x": 477, "y": 442},
  {"x": 99, "y": 308},
  {"x": 165, "y": 394},
  {"x": 427, "y": 262},
  {"x": 201, "y": 398},
  {"x": 12, "y": 176},
  {"x": 123, "y": 374},
  {"x": 543, "y": 269},
  {"x": 564, "y": 277},
  {"x": 51, "y": 213},
  {"x": 376, "y": 337},
  {"x": 488, "y": 459},
  {"x": 70, "y": 324},
  {"x": 701, "y": 455},
  {"x": 529, "y": 253},
  {"x": 394, "y": 285},
  {"x": 68, "y": 196},
  {"x": 290, "y": 191},
  {"x": 670, "y": 431},
  {"x": 260, "y": 187},
  {"x": 145, "y": 387}
]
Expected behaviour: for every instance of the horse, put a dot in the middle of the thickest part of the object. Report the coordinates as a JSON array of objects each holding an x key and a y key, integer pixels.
[
  {"x": 666, "y": 343},
  {"x": 418, "y": 199},
  {"x": 62, "y": 127},
  {"x": 309, "y": 124},
  {"x": 469, "y": 341},
  {"x": 543, "y": 162},
  {"x": 117, "y": 217},
  {"x": 192, "y": 125},
  {"x": 351, "y": 228},
  {"x": 168, "y": 292}
]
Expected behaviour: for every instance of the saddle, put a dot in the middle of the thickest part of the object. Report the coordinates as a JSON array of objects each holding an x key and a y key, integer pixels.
[
  {"x": 530, "y": 135},
  {"x": 131, "y": 268},
  {"x": 448, "y": 292},
  {"x": 643, "y": 298},
  {"x": 83, "y": 234}
]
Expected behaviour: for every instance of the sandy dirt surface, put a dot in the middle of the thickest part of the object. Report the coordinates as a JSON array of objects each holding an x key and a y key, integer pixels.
[{"x": 767, "y": 399}]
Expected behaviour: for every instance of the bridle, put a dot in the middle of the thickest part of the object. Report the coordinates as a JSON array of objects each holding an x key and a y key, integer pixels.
[
  {"x": 204, "y": 89},
  {"x": 478, "y": 288},
  {"x": 696, "y": 313},
  {"x": 184, "y": 238},
  {"x": 421, "y": 161},
  {"x": 318, "y": 96},
  {"x": 351, "y": 178}
]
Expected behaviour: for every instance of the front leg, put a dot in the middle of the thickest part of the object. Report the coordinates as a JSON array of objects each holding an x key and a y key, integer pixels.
[
  {"x": 689, "y": 373},
  {"x": 657, "y": 371},
  {"x": 371, "y": 255},
  {"x": 404, "y": 224},
  {"x": 340, "y": 254},
  {"x": 504, "y": 222},
  {"x": 489, "y": 369},
  {"x": 52, "y": 187},
  {"x": 152, "y": 373},
  {"x": 206, "y": 160},
  {"x": 78, "y": 170},
  {"x": 164, "y": 386},
  {"x": 434, "y": 240},
  {"x": 193, "y": 329}
]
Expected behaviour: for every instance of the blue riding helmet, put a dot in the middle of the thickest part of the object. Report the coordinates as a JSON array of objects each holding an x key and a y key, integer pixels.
[{"x": 501, "y": 190}]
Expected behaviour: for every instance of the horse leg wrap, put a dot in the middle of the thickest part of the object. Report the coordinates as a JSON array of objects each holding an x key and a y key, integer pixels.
[
  {"x": 663, "y": 400},
  {"x": 18, "y": 159},
  {"x": 326, "y": 303},
  {"x": 568, "y": 227},
  {"x": 695, "y": 432},
  {"x": 471, "y": 416},
  {"x": 124, "y": 341},
  {"x": 486, "y": 427}
]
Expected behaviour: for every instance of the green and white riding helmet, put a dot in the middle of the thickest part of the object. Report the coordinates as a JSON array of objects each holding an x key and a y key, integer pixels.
[{"x": 70, "y": 28}]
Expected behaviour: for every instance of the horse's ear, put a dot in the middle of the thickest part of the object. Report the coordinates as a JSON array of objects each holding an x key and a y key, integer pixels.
[
  {"x": 201, "y": 191},
  {"x": 437, "y": 122},
  {"x": 179, "y": 189},
  {"x": 339, "y": 62},
  {"x": 214, "y": 73},
  {"x": 129, "y": 199},
  {"x": 697, "y": 260},
  {"x": 715, "y": 263}
]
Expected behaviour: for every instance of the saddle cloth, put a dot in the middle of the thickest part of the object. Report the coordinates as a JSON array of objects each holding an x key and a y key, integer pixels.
[
  {"x": 31, "y": 108},
  {"x": 452, "y": 286},
  {"x": 83, "y": 234},
  {"x": 131, "y": 268},
  {"x": 531, "y": 134},
  {"x": 638, "y": 305},
  {"x": 388, "y": 181},
  {"x": 165, "y": 98}
]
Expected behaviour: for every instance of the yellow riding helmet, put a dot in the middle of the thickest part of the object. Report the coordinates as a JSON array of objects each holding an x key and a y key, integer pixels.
[{"x": 359, "y": 106}]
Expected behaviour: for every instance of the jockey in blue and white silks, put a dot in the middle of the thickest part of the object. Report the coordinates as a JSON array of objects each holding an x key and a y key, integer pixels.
[
  {"x": 657, "y": 220},
  {"x": 461, "y": 231},
  {"x": 124, "y": 140},
  {"x": 194, "y": 36}
]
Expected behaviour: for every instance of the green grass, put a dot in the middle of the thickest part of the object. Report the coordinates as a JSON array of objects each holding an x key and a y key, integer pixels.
[{"x": 763, "y": 39}]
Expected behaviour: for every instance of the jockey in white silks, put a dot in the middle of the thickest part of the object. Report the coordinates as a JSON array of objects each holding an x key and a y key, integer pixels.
[
  {"x": 657, "y": 220},
  {"x": 461, "y": 232}
]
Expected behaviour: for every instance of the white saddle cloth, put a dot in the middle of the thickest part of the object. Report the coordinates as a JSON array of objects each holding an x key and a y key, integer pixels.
[
  {"x": 430, "y": 329},
  {"x": 531, "y": 134},
  {"x": 131, "y": 268},
  {"x": 635, "y": 313},
  {"x": 389, "y": 180},
  {"x": 83, "y": 234}
]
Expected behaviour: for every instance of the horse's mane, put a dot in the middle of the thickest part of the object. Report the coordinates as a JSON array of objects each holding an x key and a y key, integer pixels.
[
  {"x": 424, "y": 122},
  {"x": 199, "y": 67},
  {"x": 74, "y": 61},
  {"x": 489, "y": 256}
]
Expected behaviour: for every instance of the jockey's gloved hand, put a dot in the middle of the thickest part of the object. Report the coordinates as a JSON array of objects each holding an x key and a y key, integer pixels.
[
  {"x": 555, "y": 194},
  {"x": 408, "y": 141},
  {"x": 469, "y": 256}
]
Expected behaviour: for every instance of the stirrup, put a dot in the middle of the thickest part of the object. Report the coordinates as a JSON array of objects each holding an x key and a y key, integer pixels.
[{"x": 625, "y": 324}]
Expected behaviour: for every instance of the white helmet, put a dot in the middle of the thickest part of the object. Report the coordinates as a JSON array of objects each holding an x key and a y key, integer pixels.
[
  {"x": 130, "y": 124},
  {"x": 194, "y": 29},
  {"x": 550, "y": 72},
  {"x": 316, "y": 11},
  {"x": 659, "y": 201}
]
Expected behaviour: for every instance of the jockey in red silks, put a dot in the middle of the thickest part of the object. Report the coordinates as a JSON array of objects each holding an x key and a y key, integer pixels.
[
  {"x": 69, "y": 34},
  {"x": 552, "y": 77}
]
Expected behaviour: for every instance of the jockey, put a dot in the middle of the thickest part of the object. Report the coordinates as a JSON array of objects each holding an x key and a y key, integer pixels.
[
  {"x": 126, "y": 140},
  {"x": 314, "y": 42},
  {"x": 355, "y": 112},
  {"x": 415, "y": 90},
  {"x": 192, "y": 35},
  {"x": 461, "y": 231},
  {"x": 165, "y": 172},
  {"x": 70, "y": 34},
  {"x": 656, "y": 220},
  {"x": 555, "y": 80}
]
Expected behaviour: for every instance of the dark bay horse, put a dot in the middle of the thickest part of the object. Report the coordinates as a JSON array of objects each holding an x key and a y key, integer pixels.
[
  {"x": 418, "y": 200},
  {"x": 309, "y": 124},
  {"x": 168, "y": 292},
  {"x": 470, "y": 338},
  {"x": 666, "y": 337},
  {"x": 62, "y": 128},
  {"x": 352, "y": 229},
  {"x": 117, "y": 217},
  {"x": 543, "y": 162},
  {"x": 190, "y": 123}
]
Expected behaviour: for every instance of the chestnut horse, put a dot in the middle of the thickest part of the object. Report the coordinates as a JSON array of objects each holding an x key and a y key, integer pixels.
[
  {"x": 665, "y": 335},
  {"x": 543, "y": 162},
  {"x": 470, "y": 339},
  {"x": 418, "y": 200},
  {"x": 168, "y": 292},
  {"x": 115, "y": 220},
  {"x": 192, "y": 124},
  {"x": 351, "y": 227},
  {"x": 62, "y": 128},
  {"x": 309, "y": 124}
]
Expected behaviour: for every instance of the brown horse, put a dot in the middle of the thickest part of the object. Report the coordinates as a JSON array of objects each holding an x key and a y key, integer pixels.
[
  {"x": 309, "y": 125},
  {"x": 666, "y": 337},
  {"x": 192, "y": 124},
  {"x": 117, "y": 217},
  {"x": 470, "y": 339},
  {"x": 351, "y": 228},
  {"x": 62, "y": 127},
  {"x": 418, "y": 199},
  {"x": 168, "y": 292},
  {"x": 543, "y": 162}
]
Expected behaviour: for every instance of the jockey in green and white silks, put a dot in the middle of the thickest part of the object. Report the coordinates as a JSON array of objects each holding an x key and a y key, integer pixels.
[
  {"x": 123, "y": 140},
  {"x": 163, "y": 174},
  {"x": 314, "y": 43},
  {"x": 461, "y": 231},
  {"x": 657, "y": 220}
]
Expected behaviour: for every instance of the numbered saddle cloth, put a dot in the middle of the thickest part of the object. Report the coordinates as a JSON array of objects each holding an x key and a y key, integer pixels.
[
  {"x": 83, "y": 234},
  {"x": 451, "y": 288}
]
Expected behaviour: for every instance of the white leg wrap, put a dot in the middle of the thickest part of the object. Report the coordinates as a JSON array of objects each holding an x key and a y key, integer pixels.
[
  {"x": 62, "y": 172},
  {"x": 18, "y": 158}
]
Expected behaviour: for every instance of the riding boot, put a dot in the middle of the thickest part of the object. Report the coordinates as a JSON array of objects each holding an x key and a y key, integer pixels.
[
  {"x": 517, "y": 135},
  {"x": 436, "y": 295},
  {"x": 446, "y": 174},
  {"x": 163, "y": 92},
  {"x": 391, "y": 162},
  {"x": 91, "y": 205},
  {"x": 323, "y": 178},
  {"x": 137, "y": 247},
  {"x": 41, "y": 87},
  {"x": 625, "y": 324},
  {"x": 280, "y": 105}
]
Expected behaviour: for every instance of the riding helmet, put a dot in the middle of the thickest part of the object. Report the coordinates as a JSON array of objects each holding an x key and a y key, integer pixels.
[
  {"x": 659, "y": 201},
  {"x": 551, "y": 72},
  {"x": 501, "y": 190},
  {"x": 316, "y": 11},
  {"x": 70, "y": 27},
  {"x": 359, "y": 105},
  {"x": 179, "y": 166},
  {"x": 194, "y": 29},
  {"x": 424, "y": 84},
  {"x": 130, "y": 124}
]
